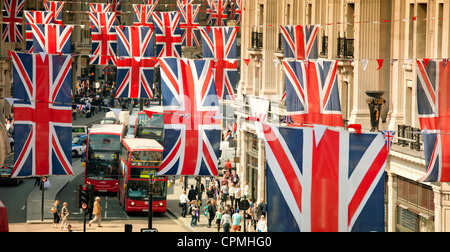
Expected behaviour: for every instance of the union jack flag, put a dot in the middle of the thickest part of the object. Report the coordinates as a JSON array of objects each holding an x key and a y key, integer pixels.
[
  {"x": 56, "y": 8},
  {"x": 219, "y": 12},
  {"x": 312, "y": 95},
  {"x": 35, "y": 17},
  {"x": 189, "y": 24},
  {"x": 52, "y": 38},
  {"x": 432, "y": 94},
  {"x": 324, "y": 180},
  {"x": 154, "y": 2},
  {"x": 192, "y": 132},
  {"x": 143, "y": 14},
  {"x": 42, "y": 115},
  {"x": 182, "y": 2},
  {"x": 168, "y": 34},
  {"x": 300, "y": 42},
  {"x": 136, "y": 62},
  {"x": 12, "y": 20},
  {"x": 116, "y": 7},
  {"x": 101, "y": 7},
  {"x": 209, "y": 8},
  {"x": 220, "y": 44},
  {"x": 388, "y": 138},
  {"x": 104, "y": 39},
  {"x": 236, "y": 10}
]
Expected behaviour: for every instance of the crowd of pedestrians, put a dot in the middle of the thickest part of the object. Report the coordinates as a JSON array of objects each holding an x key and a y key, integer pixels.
[{"x": 224, "y": 201}]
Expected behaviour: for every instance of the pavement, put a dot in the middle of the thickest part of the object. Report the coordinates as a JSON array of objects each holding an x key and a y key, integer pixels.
[{"x": 39, "y": 220}]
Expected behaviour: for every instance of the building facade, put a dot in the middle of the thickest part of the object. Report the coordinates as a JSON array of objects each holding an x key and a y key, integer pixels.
[{"x": 376, "y": 43}]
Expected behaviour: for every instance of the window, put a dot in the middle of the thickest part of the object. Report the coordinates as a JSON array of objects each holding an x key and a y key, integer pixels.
[{"x": 415, "y": 194}]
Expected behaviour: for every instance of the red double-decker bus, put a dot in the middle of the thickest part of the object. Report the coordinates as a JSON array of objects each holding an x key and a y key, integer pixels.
[
  {"x": 139, "y": 159},
  {"x": 151, "y": 128},
  {"x": 102, "y": 156}
]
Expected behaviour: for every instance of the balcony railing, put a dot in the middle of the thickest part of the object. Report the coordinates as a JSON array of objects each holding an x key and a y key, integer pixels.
[
  {"x": 345, "y": 47},
  {"x": 324, "y": 51},
  {"x": 407, "y": 136},
  {"x": 257, "y": 40}
]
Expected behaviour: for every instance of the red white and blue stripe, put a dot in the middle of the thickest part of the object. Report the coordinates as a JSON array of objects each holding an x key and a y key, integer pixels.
[{"x": 432, "y": 94}]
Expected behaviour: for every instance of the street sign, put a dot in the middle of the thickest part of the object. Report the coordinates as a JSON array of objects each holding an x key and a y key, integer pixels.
[
  {"x": 84, "y": 205},
  {"x": 107, "y": 70}
]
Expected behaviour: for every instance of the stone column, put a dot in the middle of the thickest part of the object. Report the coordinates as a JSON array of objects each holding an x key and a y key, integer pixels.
[
  {"x": 442, "y": 208},
  {"x": 261, "y": 187},
  {"x": 392, "y": 197}
]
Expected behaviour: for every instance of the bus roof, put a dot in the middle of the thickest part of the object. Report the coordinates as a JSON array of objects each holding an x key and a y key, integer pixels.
[
  {"x": 136, "y": 144},
  {"x": 107, "y": 128},
  {"x": 155, "y": 109}
]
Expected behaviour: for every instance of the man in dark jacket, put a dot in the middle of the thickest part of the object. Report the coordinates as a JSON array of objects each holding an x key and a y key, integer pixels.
[{"x": 192, "y": 195}]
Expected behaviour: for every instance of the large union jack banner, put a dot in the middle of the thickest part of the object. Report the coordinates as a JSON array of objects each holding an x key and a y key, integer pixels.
[
  {"x": 104, "y": 39},
  {"x": 324, "y": 180},
  {"x": 312, "y": 95},
  {"x": 433, "y": 91},
  {"x": 35, "y": 17},
  {"x": 12, "y": 20},
  {"x": 56, "y": 7},
  {"x": 168, "y": 34},
  {"x": 52, "y": 38},
  {"x": 143, "y": 14},
  {"x": 42, "y": 114},
  {"x": 300, "y": 42},
  {"x": 189, "y": 24},
  {"x": 192, "y": 131},
  {"x": 220, "y": 43},
  {"x": 135, "y": 63}
]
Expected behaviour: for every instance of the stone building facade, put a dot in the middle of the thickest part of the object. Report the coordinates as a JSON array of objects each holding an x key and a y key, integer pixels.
[{"x": 358, "y": 34}]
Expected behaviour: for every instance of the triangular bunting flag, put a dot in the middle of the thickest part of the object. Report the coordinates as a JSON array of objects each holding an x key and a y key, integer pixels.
[
  {"x": 380, "y": 63},
  {"x": 364, "y": 64}
]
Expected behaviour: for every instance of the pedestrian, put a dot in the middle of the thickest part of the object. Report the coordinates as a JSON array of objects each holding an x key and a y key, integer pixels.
[
  {"x": 55, "y": 210},
  {"x": 245, "y": 190},
  {"x": 64, "y": 213},
  {"x": 263, "y": 207},
  {"x": 248, "y": 218},
  {"x": 226, "y": 221},
  {"x": 192, "y": 195},
  {"x": 211, "y": 212},
  {"x": 262, "y": 226},
  {"x": 234, "y": 177},
  {"x": 237, "y": 217},
  {"x": 231, "y": 193},
  {"x": 228, "y": 166},
  {"x": 256, "y": 216},
  {"x": 237, "y": 196},
  {"x": 224, "y": 192},
  {"x": 218, "y": 217},
  {"x": 97, "y": 213},
  {"x": 194, "y": 211},
  {"x": 183, "y": 203}
]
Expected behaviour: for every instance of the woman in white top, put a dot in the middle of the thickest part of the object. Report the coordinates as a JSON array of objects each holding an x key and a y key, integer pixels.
[
  {"x": 237, "y": 196},
  {"x": 183, "y": 203},
  {"x": 261, "y": 226}
]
